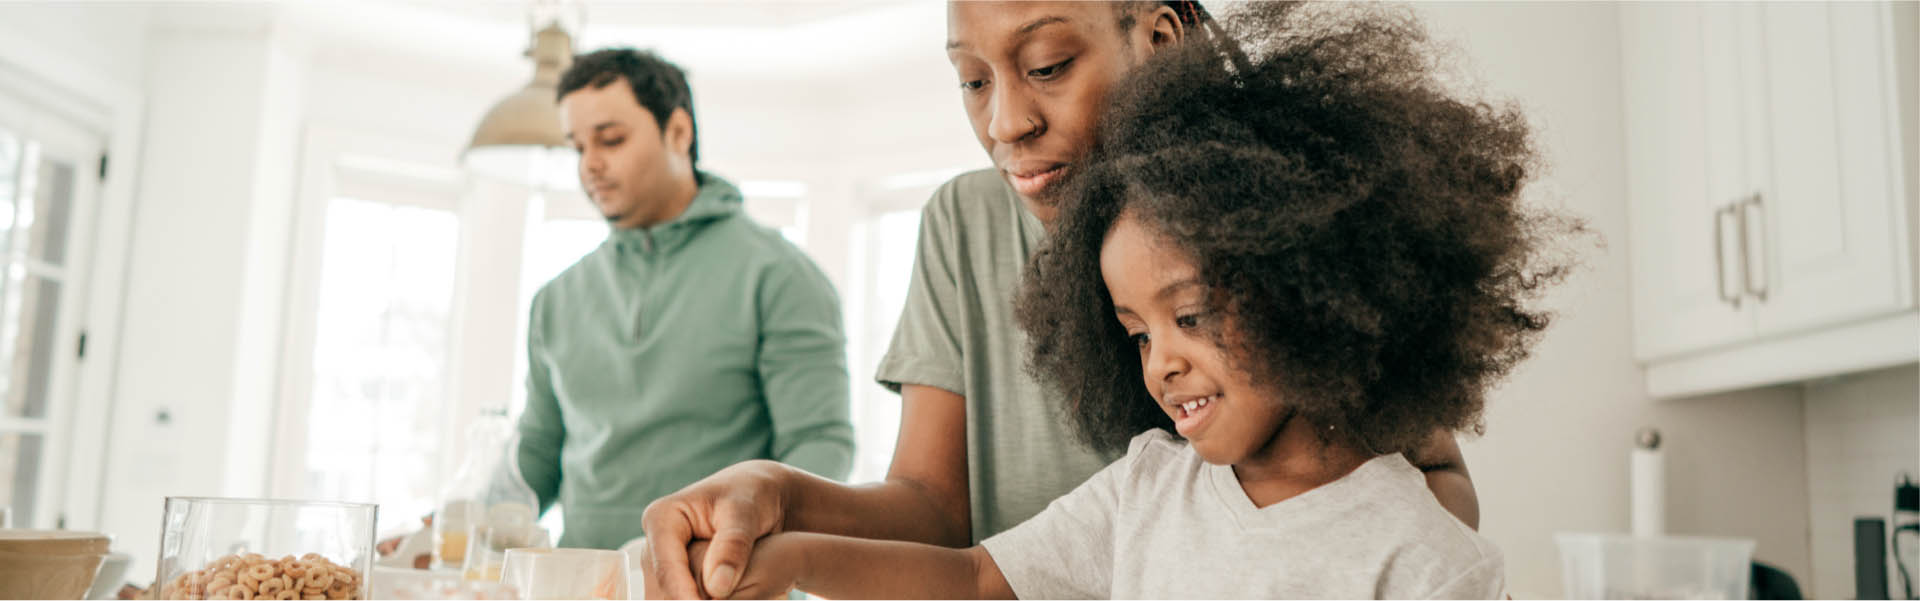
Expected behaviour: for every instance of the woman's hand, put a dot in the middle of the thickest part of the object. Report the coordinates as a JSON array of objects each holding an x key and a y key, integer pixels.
[{"x": 729, "y": 510}]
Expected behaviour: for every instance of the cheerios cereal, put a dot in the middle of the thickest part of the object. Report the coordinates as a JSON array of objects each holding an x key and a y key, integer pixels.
[{"x": 251, "y": 577}]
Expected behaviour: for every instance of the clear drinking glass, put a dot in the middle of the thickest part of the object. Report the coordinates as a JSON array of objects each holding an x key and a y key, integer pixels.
[
  {"x": 487, "y": 547},
  {"x": 213, "y": 548},
  {"x": 575, "y": 574}
]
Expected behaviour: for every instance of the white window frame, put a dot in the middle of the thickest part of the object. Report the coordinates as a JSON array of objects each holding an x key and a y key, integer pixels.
[
  {"x": 60, "y": 137},
  {"x": 338, "y": 163}
]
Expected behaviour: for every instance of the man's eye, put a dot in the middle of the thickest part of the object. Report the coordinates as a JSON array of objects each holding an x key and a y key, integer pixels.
[
  {"x": 1050, "y": 70},
  {"x": 612, "y": 141},
  {"x": 973, "y": 85}
]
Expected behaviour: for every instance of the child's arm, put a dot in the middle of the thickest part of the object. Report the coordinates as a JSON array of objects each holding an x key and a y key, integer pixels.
[{"x": 840, "y": 567}]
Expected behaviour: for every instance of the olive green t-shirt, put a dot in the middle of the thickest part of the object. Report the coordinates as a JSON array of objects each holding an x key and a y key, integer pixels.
[{"x": 957, "y": 333}]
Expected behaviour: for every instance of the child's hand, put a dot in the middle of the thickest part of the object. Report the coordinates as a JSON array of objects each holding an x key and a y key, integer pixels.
[{"x": 771, "y": 571}]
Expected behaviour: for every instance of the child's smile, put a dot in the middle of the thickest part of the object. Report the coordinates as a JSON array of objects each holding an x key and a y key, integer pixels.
[{"x": 1191, "y": 412}]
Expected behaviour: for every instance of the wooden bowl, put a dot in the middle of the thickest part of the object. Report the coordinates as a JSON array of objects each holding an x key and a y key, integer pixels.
[{"x": 48, "y": 564}]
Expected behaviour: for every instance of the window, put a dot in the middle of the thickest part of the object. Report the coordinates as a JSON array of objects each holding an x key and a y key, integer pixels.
[
  {"x": 778, "y": 204},
  {"x": 890, "y": 239},
  {"x": 380, "y": 356},
  {"x": 371, "y": 349}
]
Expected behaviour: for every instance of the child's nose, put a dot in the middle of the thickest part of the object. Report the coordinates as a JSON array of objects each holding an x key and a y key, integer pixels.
[{"x": 1164, "y": 363}]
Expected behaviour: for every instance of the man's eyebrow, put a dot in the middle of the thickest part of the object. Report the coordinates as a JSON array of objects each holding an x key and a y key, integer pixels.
[
  {"x": 1024, "y": 30},
  {"x": 597, "y": 128}
]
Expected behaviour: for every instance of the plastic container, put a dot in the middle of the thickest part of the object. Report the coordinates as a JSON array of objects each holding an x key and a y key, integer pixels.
[
  {"x": 486, "y": 491},
  {"x": 1617, "y": 566},
  {"x": 576, "y": 574},
  {"x": 213, "y": 548}
]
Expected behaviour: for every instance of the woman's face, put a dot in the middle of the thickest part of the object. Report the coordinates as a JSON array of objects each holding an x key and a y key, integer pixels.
[
  {"x": 1161, "y": 302},
  {"x": 1033, "y": 77}
]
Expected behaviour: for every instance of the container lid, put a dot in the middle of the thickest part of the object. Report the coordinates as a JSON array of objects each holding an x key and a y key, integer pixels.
[{"x": 53, "y": 542}]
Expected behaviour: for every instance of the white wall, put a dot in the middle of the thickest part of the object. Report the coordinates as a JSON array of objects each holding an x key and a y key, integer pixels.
[
  {"x": 1861, "y": 436},
  {"x": 107, "y": 41},
  {"x": 205, "y": 286},
  {"x": 1558, "y": 434}
]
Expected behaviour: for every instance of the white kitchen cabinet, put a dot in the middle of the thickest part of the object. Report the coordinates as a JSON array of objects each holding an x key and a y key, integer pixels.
[
  {"x": 1674, "y": 117},
  {"x": 1764, "y": 181},
  {"x": 1833, "y": 240}
]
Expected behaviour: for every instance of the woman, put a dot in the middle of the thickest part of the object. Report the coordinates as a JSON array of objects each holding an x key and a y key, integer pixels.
[{"x": 981, "y": 446}]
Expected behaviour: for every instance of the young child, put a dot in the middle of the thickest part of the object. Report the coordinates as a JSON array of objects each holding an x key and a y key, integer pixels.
[{"x": 1291, "y": 259}]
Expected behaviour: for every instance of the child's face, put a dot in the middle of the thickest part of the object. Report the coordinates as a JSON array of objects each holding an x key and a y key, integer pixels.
[{"x": 1159, "y": 299}]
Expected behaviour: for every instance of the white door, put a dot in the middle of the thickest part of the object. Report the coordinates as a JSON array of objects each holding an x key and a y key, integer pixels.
[
  {"x": 1830, "y": 198},
  {"x": 49, "y": 173},
  {"x": 1684, "y": 161}
]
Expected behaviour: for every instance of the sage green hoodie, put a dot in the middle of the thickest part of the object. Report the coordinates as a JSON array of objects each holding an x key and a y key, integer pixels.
[{"x": 672, "y": 351}]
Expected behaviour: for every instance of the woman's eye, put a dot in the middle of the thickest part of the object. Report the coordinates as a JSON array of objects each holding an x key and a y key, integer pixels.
[
  {"x": 1187, "y": 321},
  {"x": 973, "y": 84},
  {"x": 1050, "y": 70},
  {"x": 1139, "y": 340}
]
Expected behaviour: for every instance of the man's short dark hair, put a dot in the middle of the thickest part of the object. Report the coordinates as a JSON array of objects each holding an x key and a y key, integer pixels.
[{"x": 659, "y": 85}]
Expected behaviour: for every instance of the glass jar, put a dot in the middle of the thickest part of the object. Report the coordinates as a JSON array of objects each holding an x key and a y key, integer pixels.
[
  {"x": 488, "y": 491},
  {"x": 212, "y": 548}
]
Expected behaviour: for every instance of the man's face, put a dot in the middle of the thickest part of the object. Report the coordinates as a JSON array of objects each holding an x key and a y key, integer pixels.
[
  {"x": 1033, "y": 77},
  {"x": 627, "y": 165}
]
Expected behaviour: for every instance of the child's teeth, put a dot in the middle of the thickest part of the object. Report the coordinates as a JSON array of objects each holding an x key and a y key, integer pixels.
[{"x": 1190, "y": 406}]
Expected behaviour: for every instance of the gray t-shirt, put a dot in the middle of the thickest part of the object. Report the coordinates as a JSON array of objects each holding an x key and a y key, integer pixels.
[
  {"x": 1161, "y": 523},
  {"x": 957, "y": 333}
]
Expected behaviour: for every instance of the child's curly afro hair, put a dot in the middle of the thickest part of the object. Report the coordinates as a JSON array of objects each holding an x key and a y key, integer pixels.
[{"x": 1361, "y": 228}]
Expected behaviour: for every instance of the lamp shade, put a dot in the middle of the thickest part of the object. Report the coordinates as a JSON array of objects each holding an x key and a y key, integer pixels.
[{"x": 520, "y": 139}]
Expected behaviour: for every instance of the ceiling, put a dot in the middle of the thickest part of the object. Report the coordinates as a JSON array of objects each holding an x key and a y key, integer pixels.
[
  {"x": 724, "y": 13},
  {"x": 760, "y": 40}
]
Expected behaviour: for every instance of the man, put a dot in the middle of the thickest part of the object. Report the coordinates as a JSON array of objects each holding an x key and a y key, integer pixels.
[
  {"x": 982, "y": 447},
  {"x": 692, "y": 339}
]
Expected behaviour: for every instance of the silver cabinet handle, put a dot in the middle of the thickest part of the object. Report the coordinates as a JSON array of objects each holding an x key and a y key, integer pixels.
[
  {"x": 1719, "y": 256},
  {"x": 1746, "y": 271}
]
